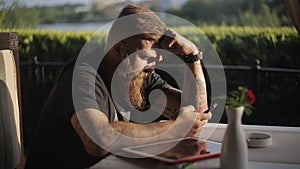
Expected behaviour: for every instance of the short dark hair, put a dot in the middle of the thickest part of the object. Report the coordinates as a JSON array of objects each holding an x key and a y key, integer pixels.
[{"x": 134, "y": 20}]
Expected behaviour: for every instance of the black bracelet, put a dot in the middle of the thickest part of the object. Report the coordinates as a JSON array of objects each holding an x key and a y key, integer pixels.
[{"x": 191, "y": 59}]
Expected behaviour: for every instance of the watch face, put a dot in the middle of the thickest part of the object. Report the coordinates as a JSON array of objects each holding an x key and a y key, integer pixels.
[{"x": 200, "y": 55}]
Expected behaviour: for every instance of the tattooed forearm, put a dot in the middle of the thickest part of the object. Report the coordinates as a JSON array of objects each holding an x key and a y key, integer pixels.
[
  {"x": 114, "y": 135},
  {"x": 137, "y": 130},
  {"x": 197, "y": 97},
  {"x": 201, "y": 92}
]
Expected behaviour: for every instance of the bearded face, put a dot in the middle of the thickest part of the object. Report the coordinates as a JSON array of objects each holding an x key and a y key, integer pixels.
[
  {"x": 134, "y": 68},
  {"x": 132, "y": 93}
]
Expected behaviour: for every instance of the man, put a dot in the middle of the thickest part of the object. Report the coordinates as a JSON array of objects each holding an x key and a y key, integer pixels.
[{"x": 81, "y": 122}]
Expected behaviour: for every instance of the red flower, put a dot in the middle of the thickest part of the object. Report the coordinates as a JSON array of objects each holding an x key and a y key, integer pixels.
[{"x": 251, "y": 96}]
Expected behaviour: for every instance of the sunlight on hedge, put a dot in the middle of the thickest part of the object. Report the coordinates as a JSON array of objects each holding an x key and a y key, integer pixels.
[{"x": 278, "y": 47}]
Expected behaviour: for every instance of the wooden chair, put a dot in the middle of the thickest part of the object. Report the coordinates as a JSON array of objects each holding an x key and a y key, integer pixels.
[{"x": 11, "y": 137}]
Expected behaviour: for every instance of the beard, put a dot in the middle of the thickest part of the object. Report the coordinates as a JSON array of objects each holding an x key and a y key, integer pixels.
[
  {"x": 131, "y": 94},
  {"x": 137, "y": 95}
]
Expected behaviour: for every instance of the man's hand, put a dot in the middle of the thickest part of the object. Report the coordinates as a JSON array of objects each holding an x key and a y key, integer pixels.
[
  {"x": 177, "y": 44},
  {"x": 188, "y": 116}
]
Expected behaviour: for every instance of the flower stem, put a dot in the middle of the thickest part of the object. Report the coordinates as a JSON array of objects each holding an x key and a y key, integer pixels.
[{"x": 242, "y": 98}]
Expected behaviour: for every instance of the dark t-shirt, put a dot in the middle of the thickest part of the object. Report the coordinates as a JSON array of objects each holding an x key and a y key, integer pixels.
[{"x": 56, "y": 143}]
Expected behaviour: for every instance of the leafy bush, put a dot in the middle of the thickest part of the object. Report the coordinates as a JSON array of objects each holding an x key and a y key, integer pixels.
[
  {"x": 50, "y": 45},
  {"x": 276, "y": 47}
]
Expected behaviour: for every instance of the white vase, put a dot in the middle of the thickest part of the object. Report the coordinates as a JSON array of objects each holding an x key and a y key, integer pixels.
[{"x": 234, "y": 153}]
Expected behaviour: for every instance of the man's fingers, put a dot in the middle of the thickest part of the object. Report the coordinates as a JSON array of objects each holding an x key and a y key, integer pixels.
[
  {"x": 169, "y": 43},
  {"x": 197, "y": 127},
  {"x": 188, "y": 112},
  {"x": 189, "y": 115},
  {"x": 188, "y": 108},
  {"x": 209, "y": 115},
  {"x": 205, "y": 116},
  {"x": 168, "y": 39}
]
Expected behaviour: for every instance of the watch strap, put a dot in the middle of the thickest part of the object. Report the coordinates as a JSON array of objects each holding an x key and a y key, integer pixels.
[{"x": 191, "y": 59}]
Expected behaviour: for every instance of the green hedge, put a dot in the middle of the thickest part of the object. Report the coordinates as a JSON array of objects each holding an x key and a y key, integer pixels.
[
  {"x": 276, "y": 47},
  {"x": 50, "y": 45}
]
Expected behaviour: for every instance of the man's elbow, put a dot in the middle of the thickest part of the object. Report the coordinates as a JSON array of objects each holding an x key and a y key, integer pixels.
[{"x": 96, "y": 151}]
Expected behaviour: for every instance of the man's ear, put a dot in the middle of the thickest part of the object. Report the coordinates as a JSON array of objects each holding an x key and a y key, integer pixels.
[{"x": 120, "y": 50}]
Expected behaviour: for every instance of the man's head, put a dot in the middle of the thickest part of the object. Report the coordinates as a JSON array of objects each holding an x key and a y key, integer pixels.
[
  {"x": 133, "y": 41},
  {"x": 133, "y": 23},
  {"x": 134, "y": 20}
]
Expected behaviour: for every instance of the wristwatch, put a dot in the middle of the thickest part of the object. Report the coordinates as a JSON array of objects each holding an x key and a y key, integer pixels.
[{"x": 191, "y": 59}]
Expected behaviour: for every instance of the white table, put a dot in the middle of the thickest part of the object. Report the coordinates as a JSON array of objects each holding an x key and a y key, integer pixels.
[{"x": 284, "y": 153}]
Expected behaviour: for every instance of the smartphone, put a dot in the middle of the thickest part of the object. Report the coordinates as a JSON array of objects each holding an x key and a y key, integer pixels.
[{"x": 211, "y": 108}]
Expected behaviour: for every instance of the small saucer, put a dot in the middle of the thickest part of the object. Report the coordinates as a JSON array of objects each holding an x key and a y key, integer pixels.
[{"x": 257, "y": 140}]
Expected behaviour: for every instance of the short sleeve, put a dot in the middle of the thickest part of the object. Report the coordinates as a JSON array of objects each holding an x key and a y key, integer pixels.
[
  {"x": 154, "y": 81},
  {"x": 89, "y": 91}
]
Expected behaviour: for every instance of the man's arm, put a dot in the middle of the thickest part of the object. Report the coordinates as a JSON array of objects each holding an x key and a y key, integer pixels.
[
  {"x": 200, "y": 94},
  {"x": 93, "y": 128},
  {"x": 90, "y": 146},
  {"x": 197, "y": 97},
  {"x": 179, "y": 45},
  {"x": 96, "y": 132}
]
